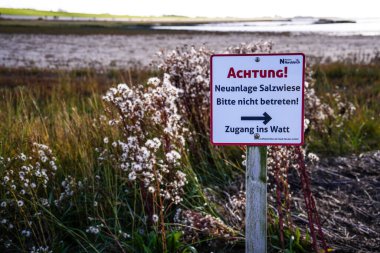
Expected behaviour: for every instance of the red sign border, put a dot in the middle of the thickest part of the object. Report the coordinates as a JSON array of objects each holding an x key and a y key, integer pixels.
[{"x": 259, "y": 144}]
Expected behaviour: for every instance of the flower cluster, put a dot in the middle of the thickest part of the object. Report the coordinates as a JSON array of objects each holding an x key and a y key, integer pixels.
[
  {"x": 198, "y": 225},
  {"x": 26, "y": 182},
  {"x": 28, "y": 175},
  {"x": 94, "y": 229},
  {"x": 41, "y": 249},
  {"x": 236, "y": 209},
  {"x": 150, "y": 151},
  {"x": 280, "y": 160},
  {"x": 189, "y": 71},
  {"x": 316, "y": 112},
  {"x": 69, "y": 187},
  {"x": 343, "y": 110},
  {"x": 251, "y": 48}
]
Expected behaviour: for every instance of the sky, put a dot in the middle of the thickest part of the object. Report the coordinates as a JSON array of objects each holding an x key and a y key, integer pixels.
[{"x": 210, "y": 8}]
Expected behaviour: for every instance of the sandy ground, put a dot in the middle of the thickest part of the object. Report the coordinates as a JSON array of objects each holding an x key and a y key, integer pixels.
[{"x": 120, "y": 51}]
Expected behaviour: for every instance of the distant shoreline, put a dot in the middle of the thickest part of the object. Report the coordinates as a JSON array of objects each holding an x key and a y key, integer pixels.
[{"x": 30, "y": 14}]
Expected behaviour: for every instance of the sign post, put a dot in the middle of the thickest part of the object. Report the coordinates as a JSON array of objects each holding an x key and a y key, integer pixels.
[
  {"x": 256, "y": 200},
  {"x": 257, "y": 100}
]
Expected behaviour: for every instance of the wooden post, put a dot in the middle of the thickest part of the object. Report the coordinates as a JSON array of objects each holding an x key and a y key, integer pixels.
[{"x": 256, "y": 200}]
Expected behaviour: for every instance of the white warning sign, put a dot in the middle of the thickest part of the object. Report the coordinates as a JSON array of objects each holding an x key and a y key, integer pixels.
[{"x": 257, "y": 99}]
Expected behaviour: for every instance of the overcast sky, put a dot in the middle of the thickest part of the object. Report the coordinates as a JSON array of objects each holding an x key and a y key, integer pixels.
[{"x": 210, "y": 8}]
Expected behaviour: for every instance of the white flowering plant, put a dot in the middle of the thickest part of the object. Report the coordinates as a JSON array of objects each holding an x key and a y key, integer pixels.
[{"x": 149, "y": 153}]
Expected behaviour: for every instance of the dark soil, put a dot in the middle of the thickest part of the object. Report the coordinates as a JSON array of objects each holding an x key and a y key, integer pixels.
[{"x": 347, "y": 193}]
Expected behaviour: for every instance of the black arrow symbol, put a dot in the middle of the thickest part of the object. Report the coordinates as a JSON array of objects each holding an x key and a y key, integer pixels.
[{"x": 266, "y": 118}]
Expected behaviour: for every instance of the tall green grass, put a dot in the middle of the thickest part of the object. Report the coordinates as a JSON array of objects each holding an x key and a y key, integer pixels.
[{"x": 358, "y": 84}]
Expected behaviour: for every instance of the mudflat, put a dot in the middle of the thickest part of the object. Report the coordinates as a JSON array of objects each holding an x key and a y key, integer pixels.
[{"x": 71, "y": 51}]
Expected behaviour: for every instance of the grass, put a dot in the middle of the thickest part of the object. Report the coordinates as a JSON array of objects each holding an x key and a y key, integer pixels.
[
  {"x": 52, "y": 105},
  {"x": 358, "y": 84}
]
